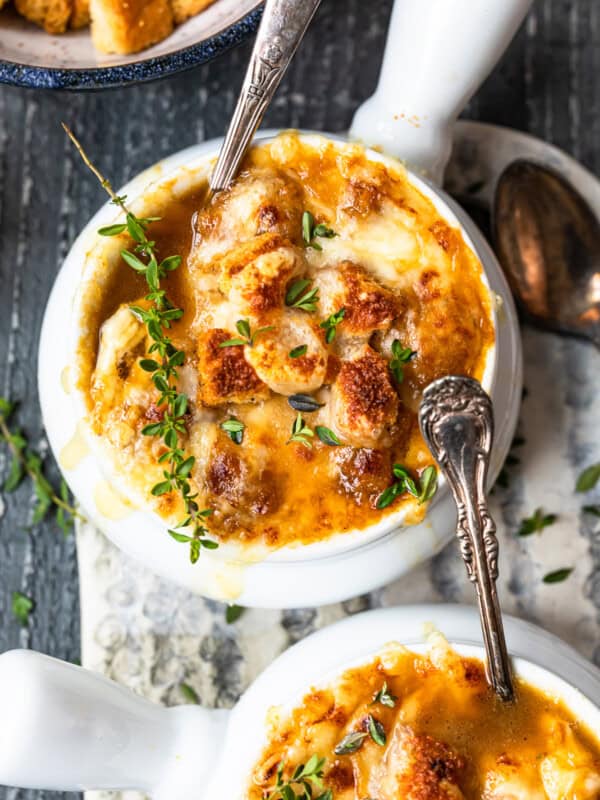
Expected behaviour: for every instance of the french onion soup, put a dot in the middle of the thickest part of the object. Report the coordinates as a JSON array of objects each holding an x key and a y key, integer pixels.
[
  {"x": 319, "y": 295},
  {"x": 410, "y": 726}
]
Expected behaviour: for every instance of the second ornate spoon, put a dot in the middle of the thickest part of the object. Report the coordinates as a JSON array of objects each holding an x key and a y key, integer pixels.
[{"x": 457, "y": 423}]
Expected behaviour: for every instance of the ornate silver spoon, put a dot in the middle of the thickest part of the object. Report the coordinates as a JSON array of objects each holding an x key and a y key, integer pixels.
[
  {"x": 457, "y": 423},
  {"x": 282, "y": 27},
  {"x": 548, "y": 242}
]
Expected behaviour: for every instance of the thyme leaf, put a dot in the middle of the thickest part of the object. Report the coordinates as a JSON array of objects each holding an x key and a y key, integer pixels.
[
  {"x": 536, "y": 522},
  {"x": 301, "y": 433},
  {"x": 330, "y": 324},
  {"x": 400, "y": 357},
  {"x": 310, "y": 231},
  {"x": 22, "y": 606},
  {"x": 423, "y": 488},
  {"x": 300, "y": 296},
  {"x": 25, "y": 461}
]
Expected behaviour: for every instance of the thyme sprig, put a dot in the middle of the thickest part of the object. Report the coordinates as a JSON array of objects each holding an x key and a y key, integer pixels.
[
  {"x": 300, "y": 296},
  {"x": 246, "y": 337},
  {"x": 162, "y": 363},
  {"x": 300, "y": 786},
  {"x": 310, "y": 230},
  {"x": 27, "y": 462},
  {"x": 422, "y": 489},
  {"x": 330, "y": 324},
  {"x": 400, "y": 357}
]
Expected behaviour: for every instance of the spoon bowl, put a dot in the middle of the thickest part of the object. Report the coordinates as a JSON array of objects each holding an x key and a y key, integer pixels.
[{"x": 548, "y": 242}]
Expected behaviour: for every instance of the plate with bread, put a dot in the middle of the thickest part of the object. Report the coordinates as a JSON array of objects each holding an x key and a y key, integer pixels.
[{"x": 93, "y": 44}]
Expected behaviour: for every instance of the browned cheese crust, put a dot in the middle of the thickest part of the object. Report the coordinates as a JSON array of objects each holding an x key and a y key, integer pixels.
[{"x": 397, "y": 271}]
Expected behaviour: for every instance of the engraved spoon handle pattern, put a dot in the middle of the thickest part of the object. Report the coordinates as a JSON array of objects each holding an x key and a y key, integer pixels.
[
  {"x": 282, "y": 27},
  {"x": 457, "y": 423}
]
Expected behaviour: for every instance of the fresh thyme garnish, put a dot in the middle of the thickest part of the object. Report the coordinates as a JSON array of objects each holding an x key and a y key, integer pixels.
[
  {"x": 234, "y": 428},
  {"x": 233, "y": 613},
  {"x": 189, "y": 693},
  {"x": 248, "y": 338},
  {"x": 376, "y": 730},
  {"x": 588, "y": 478},
  {"x": 536, "y": 523},
  {"x": 304, "y": 402},
  {"x": 22, "y": 606},
  {"x": 330, "y": 324},
  {"x": 354, "y": 740},
  {"x": 310, "y": 231},
  {"x": 298, "y": 351},
  {"x": 158, "y": 318},
  {"x": 301, "y": 433},
  {"x": 351, "y": 742},
  {"x": 26, "y": 461},
  {"x": 300, "y": 296},
  {"x": 198, "y": 538},
  {"x": 304, "y": 777},
  {"x": 384, "y": 697},
  {"x": 400, "y": 357},
  {"x": 558, "y": 576},
  {"x": 594, "y": 510},
  {"x": 423, "y": 489},
  {"x": 327, "y": 436}
]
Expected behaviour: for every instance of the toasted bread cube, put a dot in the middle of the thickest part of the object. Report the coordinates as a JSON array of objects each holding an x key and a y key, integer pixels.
[
  {"x": 51, "y": 15},
  {"x": 80, "y": 18},
  {"x": 127, "y": 26},
  {"x": 363, "y": 401},
  {"x": 225, "y": 375},
  {"x": 184, "y": 9},
  {"x": 270, "y": 355},
  {"x": 417, "y": 767},
  {"x": 369, "y": 305},
  {"x": 257, "y": 287}
]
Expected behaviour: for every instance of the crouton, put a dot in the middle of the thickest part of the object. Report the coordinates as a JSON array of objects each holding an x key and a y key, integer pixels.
[
  {"x": 258, "y": 288},
  {"x": 364, "y": 403},
  {"x": 284, "y": 374},
  {"x": 51, "y": 15},
  {"x": 184, "y": 9},
  {"x": 80, "y": 18},
  {"x": 225, "y": 375},
  {"x": 127, "y": 26},
  {"x": 368, "y": 305}
]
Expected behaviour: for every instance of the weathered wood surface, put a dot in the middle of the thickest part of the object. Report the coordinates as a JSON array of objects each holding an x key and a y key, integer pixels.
[{"x": 548, "y": 83}]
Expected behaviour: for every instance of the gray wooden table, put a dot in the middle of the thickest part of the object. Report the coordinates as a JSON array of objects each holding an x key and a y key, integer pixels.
[{"x": 548, "y": 83}]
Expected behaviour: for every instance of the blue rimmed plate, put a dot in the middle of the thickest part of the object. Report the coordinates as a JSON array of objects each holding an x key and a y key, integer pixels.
[{"x": 32, "y": 58}]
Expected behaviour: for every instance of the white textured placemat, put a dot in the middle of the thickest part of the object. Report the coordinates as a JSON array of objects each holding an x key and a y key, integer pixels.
[{"x": 152, "y": 636}]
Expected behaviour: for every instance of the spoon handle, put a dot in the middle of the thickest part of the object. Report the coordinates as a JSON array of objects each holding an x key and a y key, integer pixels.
[
  {"x": 282, "y": 27},
  {"x": 457, "y": 423}
]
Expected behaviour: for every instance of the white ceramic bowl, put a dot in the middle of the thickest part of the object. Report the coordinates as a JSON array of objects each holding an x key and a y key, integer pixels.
[
  {"x": 416, "y": 124},
  {"x": 68, "y": 729},
  {"x": 371, "y": 556}
]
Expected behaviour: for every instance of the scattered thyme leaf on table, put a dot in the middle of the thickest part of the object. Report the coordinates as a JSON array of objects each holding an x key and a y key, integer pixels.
[
  {"x": 162, "y": 362},
  {"x": 558, "y": 575},
  {"x": 22, "y": 607},
  {"x": 233, "y": 613},
  {"x": 189, "y": 693},
  {"x": 536, "y": 522},
  {"x": 26, "y": 461},
  {"x": 588, "y": 478}
]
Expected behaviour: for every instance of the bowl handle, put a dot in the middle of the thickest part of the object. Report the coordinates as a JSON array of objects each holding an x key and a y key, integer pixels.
[
  {"x": 437, "y": 53},
  {"x": 66, "y": 728}
]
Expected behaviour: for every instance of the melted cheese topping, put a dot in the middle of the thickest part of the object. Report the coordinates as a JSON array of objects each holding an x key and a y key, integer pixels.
[
  {"x": 447, "y": 737},
  {"x": 395, "y": 266}
]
